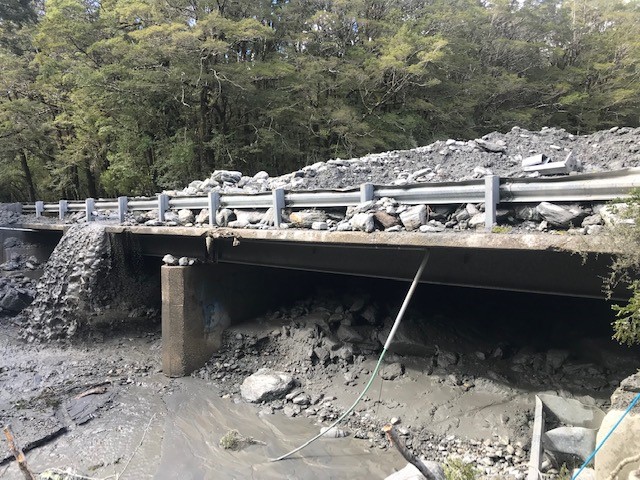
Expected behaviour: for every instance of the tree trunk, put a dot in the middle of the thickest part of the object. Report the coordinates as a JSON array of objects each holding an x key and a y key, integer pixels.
[
  {"x": 27, "y": 175},
  {"x": 91, "y": 180}
]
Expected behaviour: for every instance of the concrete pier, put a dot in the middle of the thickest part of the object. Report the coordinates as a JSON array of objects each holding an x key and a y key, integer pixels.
[{"x": 200, "y": 301}]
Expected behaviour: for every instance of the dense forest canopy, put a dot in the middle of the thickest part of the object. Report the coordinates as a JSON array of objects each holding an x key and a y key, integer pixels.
[{"x": 108, "y": 97}]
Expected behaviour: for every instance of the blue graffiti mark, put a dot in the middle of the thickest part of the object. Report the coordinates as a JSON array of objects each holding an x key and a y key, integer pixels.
[{"x": 214, "y": 315}]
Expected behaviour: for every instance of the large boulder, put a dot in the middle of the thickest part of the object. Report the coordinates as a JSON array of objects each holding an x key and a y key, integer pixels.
[
  {"x": 414, "y": 217},
  {"x": 624, "y": 442},
  {"x": 563, "y": 217},
  {"x": 577, "y": 441},
  {"x": 185, "y": 216},
  {"x": 266, "y": 384}
]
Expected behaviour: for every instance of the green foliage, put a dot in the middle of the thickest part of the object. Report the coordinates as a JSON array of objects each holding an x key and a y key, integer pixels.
[
  {"x": 127, "y": 96},
  {"x": 625, "y": 268},
  {"x": 456, "y": 469}
]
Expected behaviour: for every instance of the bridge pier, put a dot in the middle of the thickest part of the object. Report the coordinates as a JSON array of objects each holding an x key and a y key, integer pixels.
[{"x": 200, "y": 301}]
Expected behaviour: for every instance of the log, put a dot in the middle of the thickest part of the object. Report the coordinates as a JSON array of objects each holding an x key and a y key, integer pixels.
[
  {"x": 36, "y": 443},
  {"x": 18, "y": 454},
  {"x": 393, "y": 438}
]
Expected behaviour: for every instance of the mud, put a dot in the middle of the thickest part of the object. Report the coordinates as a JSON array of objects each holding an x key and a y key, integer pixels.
[{"x": 156, "y": 427}]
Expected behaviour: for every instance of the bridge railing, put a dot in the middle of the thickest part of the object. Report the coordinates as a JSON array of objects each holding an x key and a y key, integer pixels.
[{"x": 490, "y": 190}]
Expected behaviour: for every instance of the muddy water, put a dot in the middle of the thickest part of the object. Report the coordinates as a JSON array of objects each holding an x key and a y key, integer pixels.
[
  {"x": 156, "y": 427},
  {"x": 145, "y": 436},
  {"x": 197, "y": 418}
]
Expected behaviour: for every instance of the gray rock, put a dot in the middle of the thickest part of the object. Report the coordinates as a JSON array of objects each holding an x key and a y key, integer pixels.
[
  {"x": 306, "y": 218},
  {"x": 578, "y": 441},
  {"x": 615, "y": 214},
  {"x": 478, "y": 220},
  {"x": 362, "y": 207},
  {"x": 410, "y": 472},
  {"x": 414, "y": 217},
  {"x": 363, "y": 222},
  {"x": 556, "y": 358},
  {"x": 14, "y": 300},
  {"x": 591, "y": 220},
  {"x": 446, "y": 359},
  {"x": 392, "y": 371},
  {"x": 224, "y": 216},
  {"x": 170, "y": 216},
  {"x": 319, "y": 226},
  {"x": 203, "y": 216},
  {"x": 527, "y": 213},
  {"x": 432, "y": 228},
  {"x": 238, "y": 224},
  {"x": 266, "y": 384},
  {"x": 385, "y": 220},
  {"x": 169, "y": 259},
  {"x": 185, "y": 216},
  {"x": 228, "y": 176},
  {"x": 347, "y": 334},
  {"x": 248, "y": 216},
  {"x": 11, "y": 242},
  {"x": 561, "y": 216},
  {"x": 492, "y": 147}
]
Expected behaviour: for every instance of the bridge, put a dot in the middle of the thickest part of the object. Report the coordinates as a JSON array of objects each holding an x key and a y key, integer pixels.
[{"x": 201, "y": 300}]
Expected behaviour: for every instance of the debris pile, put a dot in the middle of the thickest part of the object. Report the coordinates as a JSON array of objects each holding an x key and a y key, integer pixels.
[
  {"x": 449, "y": 160},
  {"x": 516, "y": 154},
  {"x": 69, "y": 289},
  {"x": 312, "y": 358}
]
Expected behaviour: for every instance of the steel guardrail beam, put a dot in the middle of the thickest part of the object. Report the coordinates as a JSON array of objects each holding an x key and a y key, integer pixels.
[{"x": 603, "y": 186}]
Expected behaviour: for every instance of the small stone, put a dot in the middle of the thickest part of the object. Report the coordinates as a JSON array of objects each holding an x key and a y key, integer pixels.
[
  {"x": 319, "y": 226},
  {"x": 392, "y": 371},
  {"x": 364, "y": 222},
  {"x": 169, "y": 259}
]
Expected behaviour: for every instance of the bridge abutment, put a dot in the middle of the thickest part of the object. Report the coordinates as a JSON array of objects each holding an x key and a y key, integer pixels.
[{"x": 200, "y": 301}]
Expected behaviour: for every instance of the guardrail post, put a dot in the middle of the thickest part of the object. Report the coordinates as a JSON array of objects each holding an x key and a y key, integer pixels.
[
  {"x": 122, "y": 208},
  {"x": 163, "y": 205},
  {"x": 39, "y": 209},
  {"x": 89, "y": 207},
  {"x": 491, "y": 200},
  {"x": 214, "y": 205},
  {"x": 278, "y": 205},
  {"x": 366, "y": 192},
  {"x": 62, "y": 206}
]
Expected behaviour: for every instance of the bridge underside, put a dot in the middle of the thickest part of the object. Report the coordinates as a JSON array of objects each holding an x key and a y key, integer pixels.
[
  {"x": 547, "y": 264},
  {"x": 199, "y": 301}
]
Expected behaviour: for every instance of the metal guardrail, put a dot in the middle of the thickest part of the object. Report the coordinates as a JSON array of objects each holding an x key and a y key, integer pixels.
[{"x": 492, "y": 190}]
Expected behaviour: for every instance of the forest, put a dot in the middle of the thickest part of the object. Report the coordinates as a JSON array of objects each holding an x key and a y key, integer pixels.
[{"x": 129, "y": 97}]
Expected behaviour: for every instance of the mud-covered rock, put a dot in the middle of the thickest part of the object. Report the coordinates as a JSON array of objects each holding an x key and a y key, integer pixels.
[{"x": 266, "y": 384}]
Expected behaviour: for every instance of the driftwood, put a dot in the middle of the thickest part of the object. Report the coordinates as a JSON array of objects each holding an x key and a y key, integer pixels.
[
  {"x": 18, "y": 454},
  {"x": 92, "y": 391},
  {"x": 623, "y": 464},
  {"x": 393, "y": 438},
  {"x": 36, "y": 443}
]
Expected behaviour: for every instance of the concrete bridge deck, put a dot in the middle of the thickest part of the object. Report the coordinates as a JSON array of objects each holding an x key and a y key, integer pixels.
[{"x": 532, "y": 262}]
